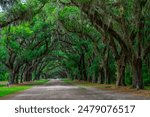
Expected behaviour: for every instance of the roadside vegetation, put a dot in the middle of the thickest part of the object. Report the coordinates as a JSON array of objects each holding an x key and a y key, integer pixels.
[
  {"x": 7, "y": 90},
  {"x": 100, "y": 42},
  {"x": 110, "y": 87}
]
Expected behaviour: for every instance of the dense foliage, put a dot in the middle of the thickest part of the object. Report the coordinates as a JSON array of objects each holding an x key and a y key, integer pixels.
[{"x": 100, "y": 41}]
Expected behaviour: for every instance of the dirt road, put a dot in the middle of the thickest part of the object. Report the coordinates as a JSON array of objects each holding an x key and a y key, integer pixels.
[{"x": 57, "y": 90}]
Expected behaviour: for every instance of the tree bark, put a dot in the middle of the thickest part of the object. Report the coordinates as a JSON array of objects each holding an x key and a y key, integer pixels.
[
  {"x": 121, "y": 71},
  {"x": 106, "y": 66},
  {"x": 94, "y": 80},
  {"x": 137, "y": 74},
  {"x": 100, "y": 76},
  {"x": 107, "y": 74},
  {"x": 11, "y": 78},
  {"x": 84, "y": 68}
]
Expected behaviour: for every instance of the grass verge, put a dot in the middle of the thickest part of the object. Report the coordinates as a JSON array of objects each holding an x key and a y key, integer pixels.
[
  {"x": 112, "y": 87},
  {"x": 68, "y": 81},
  {"x": 4, "y": 90}
]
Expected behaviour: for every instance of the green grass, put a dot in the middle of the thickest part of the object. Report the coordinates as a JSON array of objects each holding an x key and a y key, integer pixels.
[
  {"x": 4, "y": 90},
  {"x": 38, "y": 82},
  {"x": 147, "y": 87},
  {"x": 3, "y": 83},
  {"x": 87, "y": 84},
  {"x": 67, "y": 81},
  {"x": 10, "y": 90}
]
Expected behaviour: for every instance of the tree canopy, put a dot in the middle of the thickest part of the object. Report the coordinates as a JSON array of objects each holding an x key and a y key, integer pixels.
[{"x": 99, "y": 41}]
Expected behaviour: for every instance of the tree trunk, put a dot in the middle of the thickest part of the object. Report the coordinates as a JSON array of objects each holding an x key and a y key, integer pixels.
[
  {"x": 94, "y": 78},
  {"x": 12, "y": 77},
  {"x": 11, "y": 81},
  {"x": 25, "y": 76},
  {"x": 84, "y": 68},
  {"x": 17, "y": 79},
  {"x": 106, "y": 68},
  {"x": 80, "y": 70},
  {"x": 107, "y": 75},
  {"x": 121, "y": 71},
  {"x": 17, "y": 74},
  {"x": 100, "y": 76},
  {"x": 89, "y": 79},
  {"x": 137, "y": 74}
]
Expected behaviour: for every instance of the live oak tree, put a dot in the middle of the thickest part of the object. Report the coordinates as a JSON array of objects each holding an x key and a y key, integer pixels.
[
  {"x": 99, "y": 41},
  {"x": 120, "y": 22}
]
